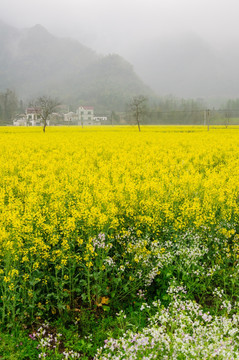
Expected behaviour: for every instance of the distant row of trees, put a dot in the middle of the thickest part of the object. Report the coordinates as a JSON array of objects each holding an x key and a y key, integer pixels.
[
  {"x": 139, "y": 110},
  {"x": 9, "y": 106},
  {"x": 172, "y": 110},
  {"x": 169, "y": 110}
]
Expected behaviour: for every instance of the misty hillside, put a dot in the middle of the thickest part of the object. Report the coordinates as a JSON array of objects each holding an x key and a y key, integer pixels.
[
  {"x": 33, "y": 62},
  {"x": 187, "y": 66}
]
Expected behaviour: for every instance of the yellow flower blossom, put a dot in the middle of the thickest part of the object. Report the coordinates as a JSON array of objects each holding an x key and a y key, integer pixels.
[{"x": 59, "y": 192}]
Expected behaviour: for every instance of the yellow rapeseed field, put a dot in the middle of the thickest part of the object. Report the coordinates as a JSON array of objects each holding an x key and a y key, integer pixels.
[{"x": 61, "y": 189}]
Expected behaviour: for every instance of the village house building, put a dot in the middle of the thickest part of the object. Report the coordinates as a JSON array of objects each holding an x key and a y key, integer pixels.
[
  {"x": 33, "y": 115},
  {"x": 100, "y": 120},
  {"x": 71, "y": 118},
  {"x": 85, "y": 115},
  {"x": 20, "y": 120}
]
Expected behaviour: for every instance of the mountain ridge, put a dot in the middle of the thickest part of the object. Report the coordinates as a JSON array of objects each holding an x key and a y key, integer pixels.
[{"x": 34, "y": 62}]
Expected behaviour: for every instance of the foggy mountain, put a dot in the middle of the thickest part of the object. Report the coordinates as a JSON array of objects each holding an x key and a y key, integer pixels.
[
  {"x": 187, "y": 66},
  {"x": 33, "y": 62}
]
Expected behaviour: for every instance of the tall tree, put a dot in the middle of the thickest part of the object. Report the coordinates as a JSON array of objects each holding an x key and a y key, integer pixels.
[
  {"x": 8, "y": 105},
  {"x": 138, "y": 108},
  {"x": 47, "y": 105}
]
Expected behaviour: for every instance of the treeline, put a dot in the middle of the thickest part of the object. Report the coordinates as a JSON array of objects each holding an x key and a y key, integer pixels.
[
  {"x": 231, "y": 108},
  {"x": 10, "y": 106},
  {"x": 159, "y": 111},
  {"x": 172, "y": 110}
]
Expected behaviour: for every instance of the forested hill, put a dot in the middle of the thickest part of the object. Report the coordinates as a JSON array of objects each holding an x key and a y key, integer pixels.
[{"x": 34, "y": 62}]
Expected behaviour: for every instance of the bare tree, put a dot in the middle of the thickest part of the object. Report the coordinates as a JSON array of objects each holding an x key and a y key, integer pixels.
[
  {"x": 228, "y": 115},
  {"x": 207, "y": 118},
  {"x": 47, "y": 105},
  {"x": 138, "y": 108}
]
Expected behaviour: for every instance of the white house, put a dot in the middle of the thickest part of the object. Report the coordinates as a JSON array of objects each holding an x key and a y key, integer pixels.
[
  {"x": 99, "y": 120},
  {"x": 71, "y": 118},
  {"x": 34, "y": 116},
  {"x": 85, "y": 115},
  {"x": 20, "y": 120}
]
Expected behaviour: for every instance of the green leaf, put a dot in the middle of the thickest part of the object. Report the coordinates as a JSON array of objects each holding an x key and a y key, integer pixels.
[{"x": 106, "y": 308}]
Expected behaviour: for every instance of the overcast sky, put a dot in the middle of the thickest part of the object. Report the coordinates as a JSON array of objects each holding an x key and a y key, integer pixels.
[{"x": 110, "y": 26}]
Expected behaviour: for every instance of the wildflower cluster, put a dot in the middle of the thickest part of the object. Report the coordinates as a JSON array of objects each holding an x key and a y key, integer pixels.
[
  {"x": 182, "y": 330},
  {"x": 49, "y": 344}
]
